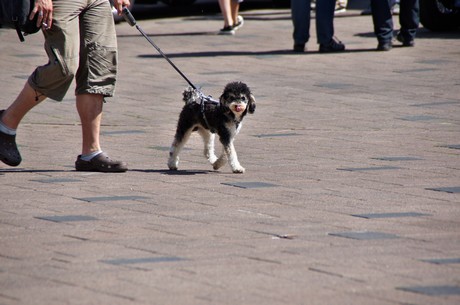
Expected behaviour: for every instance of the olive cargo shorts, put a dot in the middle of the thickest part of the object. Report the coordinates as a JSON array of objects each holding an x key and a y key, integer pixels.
[{"x": 81, "y": 43}]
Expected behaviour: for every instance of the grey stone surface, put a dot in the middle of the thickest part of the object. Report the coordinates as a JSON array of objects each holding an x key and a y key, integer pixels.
[{"x": 189, "y": 237}]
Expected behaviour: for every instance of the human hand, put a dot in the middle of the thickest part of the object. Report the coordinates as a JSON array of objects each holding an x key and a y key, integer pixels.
[
  {"x": 44, "y": 9},
  {"x": 120, "y": 4}
]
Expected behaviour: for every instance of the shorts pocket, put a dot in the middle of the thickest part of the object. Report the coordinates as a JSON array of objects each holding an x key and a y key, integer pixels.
[
  {"x": 102, "y": 64},
  {"x": 59, "y": 61}
]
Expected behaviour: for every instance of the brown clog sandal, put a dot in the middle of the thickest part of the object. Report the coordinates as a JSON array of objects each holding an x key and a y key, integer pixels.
[{"x": 100, "y": 163}]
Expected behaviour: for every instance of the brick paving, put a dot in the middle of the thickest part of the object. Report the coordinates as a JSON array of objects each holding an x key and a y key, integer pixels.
[{"x": 351, "y": 192}]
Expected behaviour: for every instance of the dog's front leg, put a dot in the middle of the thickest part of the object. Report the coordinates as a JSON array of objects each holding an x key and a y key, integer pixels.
[{"x": 233, "y": 158}]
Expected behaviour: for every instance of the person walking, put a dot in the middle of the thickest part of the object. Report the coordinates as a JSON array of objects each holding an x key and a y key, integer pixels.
[
  {"x": 232, "y": 21},
  {"x": 81, "y": 43},
  {"x": 383, "y": 22},
  {"x": 301, "y": 11}
]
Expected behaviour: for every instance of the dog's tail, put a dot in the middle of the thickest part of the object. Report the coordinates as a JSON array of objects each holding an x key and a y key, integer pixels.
[{"x": 191, "y": 95}]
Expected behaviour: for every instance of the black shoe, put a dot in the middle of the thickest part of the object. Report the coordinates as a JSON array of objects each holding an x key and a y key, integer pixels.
[
  {"x": 299, "y": 48},
  {"x": 100, "y": 163},
  {"x": 333, "y": 45},
  {"x": 405, "y": 42},
  {"x": 384, "y": 46},
  {"x": 9, "y": 153},
  {"x": 228, "y": 30}
]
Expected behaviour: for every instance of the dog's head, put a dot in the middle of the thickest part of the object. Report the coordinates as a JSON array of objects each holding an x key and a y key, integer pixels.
[{"x": 238, "y": 98}]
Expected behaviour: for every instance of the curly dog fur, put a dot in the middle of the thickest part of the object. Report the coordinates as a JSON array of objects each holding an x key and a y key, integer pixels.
[{"x": 223, "y": 118}]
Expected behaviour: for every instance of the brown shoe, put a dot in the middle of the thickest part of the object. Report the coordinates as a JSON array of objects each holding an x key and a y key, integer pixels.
[{"x": 100, "y": 163}]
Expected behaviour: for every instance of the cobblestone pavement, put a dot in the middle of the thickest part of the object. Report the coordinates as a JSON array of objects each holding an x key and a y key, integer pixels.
[{"x": 351, "y": 192}]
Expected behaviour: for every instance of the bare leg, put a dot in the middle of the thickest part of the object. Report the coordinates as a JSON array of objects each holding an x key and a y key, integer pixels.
[
  {"x": 10, "y": 118},
  {"x": 234, "y": 7},
  {"x": 89, "y": 107},
  {"x": 25, "y": 101},
  {"x": 225, "y": 8}
]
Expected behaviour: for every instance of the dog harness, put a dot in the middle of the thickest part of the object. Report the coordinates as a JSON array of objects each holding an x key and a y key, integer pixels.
[{"x": 206, "y": 99}]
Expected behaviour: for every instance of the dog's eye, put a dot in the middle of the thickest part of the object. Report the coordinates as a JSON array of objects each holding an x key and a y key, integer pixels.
[{"x": 243, "y": 98}]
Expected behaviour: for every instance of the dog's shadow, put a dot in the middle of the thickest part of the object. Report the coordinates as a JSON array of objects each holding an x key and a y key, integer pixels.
[
  {"x": 174, "y": 172},
  {"x": 148, "y": 171}
]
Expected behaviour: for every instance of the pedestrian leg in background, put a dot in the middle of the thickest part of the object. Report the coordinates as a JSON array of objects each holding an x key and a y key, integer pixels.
[{"x": 383, "y": 24}]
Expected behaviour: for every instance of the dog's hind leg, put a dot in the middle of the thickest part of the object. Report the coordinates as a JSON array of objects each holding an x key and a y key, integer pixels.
[
  {"x": 178, "y": 143},
  {"x": 208, "y": 139},
  {"x": 221, "y": 161}
]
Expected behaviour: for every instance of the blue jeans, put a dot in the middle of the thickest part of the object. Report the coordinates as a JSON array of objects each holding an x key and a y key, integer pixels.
[
  {"x": 383, "y": 21},
  {"x": 300, "y": 11}
]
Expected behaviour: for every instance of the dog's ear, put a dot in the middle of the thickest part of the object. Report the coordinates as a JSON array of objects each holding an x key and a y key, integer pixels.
[
  {"x": 251, "y": 104},
  {"x": 222, "y": 101}
]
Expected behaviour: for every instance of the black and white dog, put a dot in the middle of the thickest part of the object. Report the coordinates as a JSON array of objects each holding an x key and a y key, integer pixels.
[{"x": 209, "y": 117}]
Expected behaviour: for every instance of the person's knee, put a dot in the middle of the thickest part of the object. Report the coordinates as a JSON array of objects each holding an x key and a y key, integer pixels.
[{"x": 54, "y": 79}]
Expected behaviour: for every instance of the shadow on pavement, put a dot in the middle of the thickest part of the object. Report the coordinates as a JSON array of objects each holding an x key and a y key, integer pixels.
[{"x": 173, "y": 173}]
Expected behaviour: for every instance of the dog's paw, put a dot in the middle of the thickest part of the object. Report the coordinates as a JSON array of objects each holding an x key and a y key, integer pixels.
[
  {"x": 219, "y": 163},
  {"x": 239, "y": 170},
  {"x": 173, "y": 164},
  {"x": 212, "y": 159}
]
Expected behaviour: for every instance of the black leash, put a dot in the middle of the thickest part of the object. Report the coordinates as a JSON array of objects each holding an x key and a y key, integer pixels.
[
  {"x": 132, "y": 22},
  {"x": 203, "y": 98}
]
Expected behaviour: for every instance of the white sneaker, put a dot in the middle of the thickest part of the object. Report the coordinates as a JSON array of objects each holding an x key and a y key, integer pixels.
[{"x": 239, "y": 22}]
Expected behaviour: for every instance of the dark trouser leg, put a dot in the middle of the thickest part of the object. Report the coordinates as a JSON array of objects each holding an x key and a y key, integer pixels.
[
  {"x": 300, "y": 10},
  {"x": 409, "y": 18},
  {"x": 382, "y": 18},
  {"x": 325, "y": 20}
]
